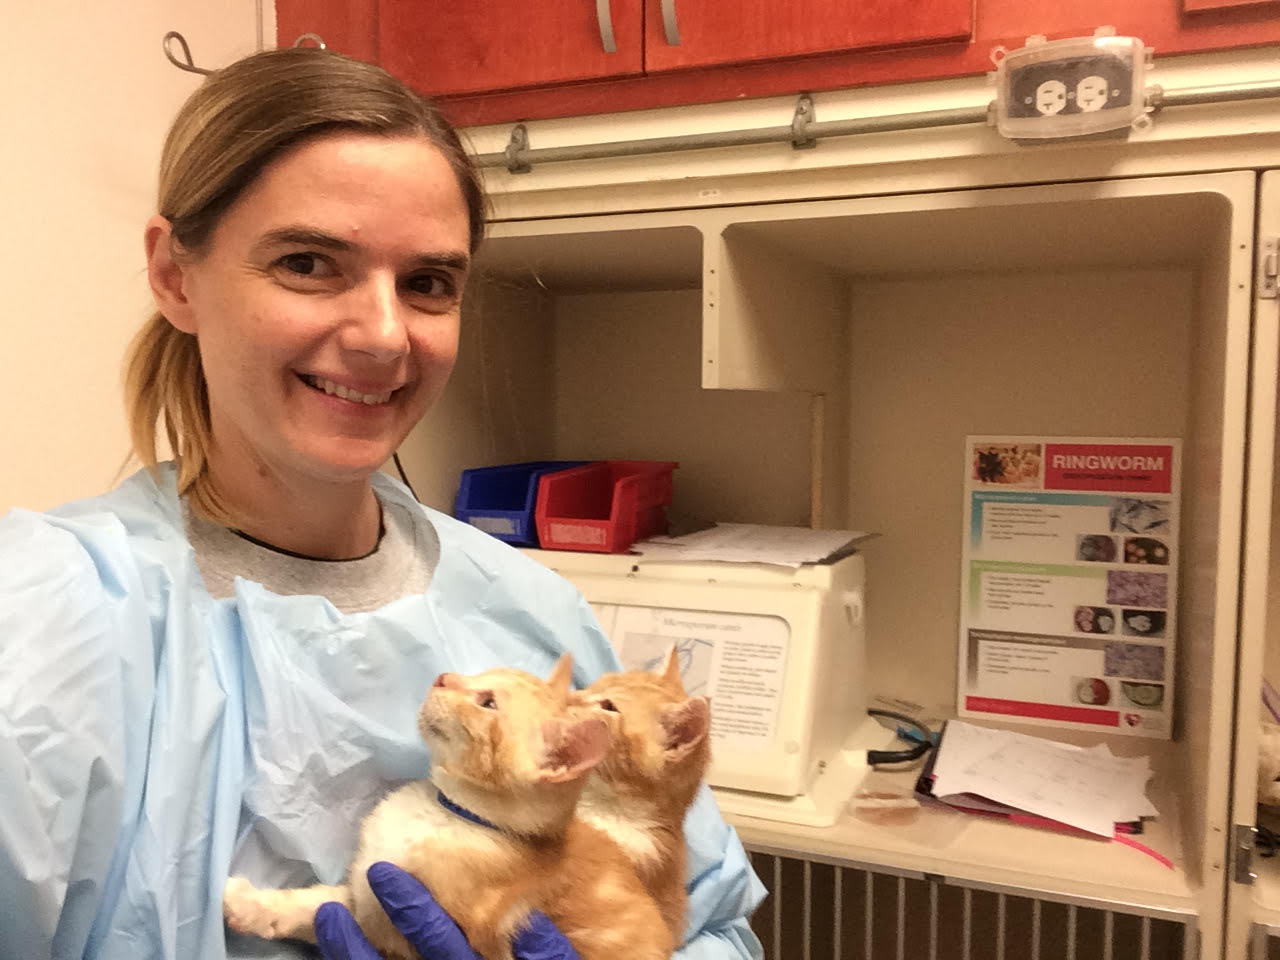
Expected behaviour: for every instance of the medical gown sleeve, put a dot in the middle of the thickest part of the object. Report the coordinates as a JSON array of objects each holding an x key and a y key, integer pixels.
[
  {"x": 723, "y": 889},
  {"x": 67, "y": 604}
]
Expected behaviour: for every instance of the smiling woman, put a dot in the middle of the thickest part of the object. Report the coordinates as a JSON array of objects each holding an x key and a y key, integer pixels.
[
  {"x": 267, "y": 207},
  {"x": 325, "y": 306},
  {"x": 215, "y": 669}
]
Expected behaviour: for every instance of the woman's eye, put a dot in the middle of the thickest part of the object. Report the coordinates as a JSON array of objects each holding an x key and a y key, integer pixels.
[
  {"x": 301, "y": 263},
  {"x": 308, "y": 265},
  {"x": 431, "y": 285},
  {"x": 487, "y": 700},
  {"x": 607, "y": 704}
]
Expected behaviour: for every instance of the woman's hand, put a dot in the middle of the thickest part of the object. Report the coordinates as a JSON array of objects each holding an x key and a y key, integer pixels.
[{"x": 425, "y": 925}]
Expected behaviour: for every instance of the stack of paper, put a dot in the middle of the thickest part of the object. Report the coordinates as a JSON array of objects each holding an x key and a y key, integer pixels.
[
  {"x": 1002, "y": 772},
  {"x": 752, "y": 543}
]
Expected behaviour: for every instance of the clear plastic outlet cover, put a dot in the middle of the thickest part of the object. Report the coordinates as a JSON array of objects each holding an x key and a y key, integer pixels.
[{"x": 1071, "y": 88}]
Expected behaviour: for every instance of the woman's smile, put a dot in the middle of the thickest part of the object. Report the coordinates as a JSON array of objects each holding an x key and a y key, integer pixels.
[{"x": 343, "y": 392}]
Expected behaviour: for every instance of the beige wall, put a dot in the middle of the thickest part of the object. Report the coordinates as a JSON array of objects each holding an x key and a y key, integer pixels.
[{"x": 88, "y": 96}]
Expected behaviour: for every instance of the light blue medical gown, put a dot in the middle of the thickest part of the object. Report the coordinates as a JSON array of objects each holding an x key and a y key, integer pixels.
[{"x": 154, "y": 740}]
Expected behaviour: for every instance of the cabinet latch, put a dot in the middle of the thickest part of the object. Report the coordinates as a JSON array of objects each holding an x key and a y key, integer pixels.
[
  {"x": 1242, "y": 853},
  {"x": 1268, "y": 268}
]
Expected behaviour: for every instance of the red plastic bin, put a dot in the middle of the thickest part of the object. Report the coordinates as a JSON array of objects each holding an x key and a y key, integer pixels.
[{"x": 605, "y": 506}]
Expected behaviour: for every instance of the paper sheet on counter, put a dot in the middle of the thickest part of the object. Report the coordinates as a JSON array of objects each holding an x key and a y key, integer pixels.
[
  {"x": 1090, "y": 789},
  {"x": 752, "y": 543}
]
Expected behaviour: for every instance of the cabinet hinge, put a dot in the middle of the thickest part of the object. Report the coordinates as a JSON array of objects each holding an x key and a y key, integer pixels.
[
  {"x": 1268, "y": 268},
  {"x": 1242, "y": 853}
]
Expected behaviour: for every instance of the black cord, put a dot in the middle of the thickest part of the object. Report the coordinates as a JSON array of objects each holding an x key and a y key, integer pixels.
[
  {"x": 396, "y": 457},
  {"x": 899, "y": 756}
]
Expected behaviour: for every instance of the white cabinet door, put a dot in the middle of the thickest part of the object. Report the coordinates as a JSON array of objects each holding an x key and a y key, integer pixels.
[{"x": 1253, "y": 908}]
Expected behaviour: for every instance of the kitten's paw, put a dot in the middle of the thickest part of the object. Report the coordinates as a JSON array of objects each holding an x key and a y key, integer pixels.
[{"x": 250, "y": 910}]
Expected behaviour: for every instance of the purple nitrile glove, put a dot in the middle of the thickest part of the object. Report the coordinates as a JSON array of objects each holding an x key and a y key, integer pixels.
[
  {"x": 542, "y": 940},
  {"x": 425, "y": 925}
]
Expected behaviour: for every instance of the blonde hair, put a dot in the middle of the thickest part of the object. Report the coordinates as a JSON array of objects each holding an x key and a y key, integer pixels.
[{"x": 239, "y": 120}]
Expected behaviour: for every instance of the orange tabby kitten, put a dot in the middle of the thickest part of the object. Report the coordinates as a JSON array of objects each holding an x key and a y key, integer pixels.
[
  {"x": 658, "y": 753},
  {"x": 491, "y": 833}
]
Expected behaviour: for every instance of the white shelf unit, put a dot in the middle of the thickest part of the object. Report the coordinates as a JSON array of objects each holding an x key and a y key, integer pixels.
[{"x": 825, "y": 360}]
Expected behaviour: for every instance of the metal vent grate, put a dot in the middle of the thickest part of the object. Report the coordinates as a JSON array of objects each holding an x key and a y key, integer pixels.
[{"x": 822, "y": 911}]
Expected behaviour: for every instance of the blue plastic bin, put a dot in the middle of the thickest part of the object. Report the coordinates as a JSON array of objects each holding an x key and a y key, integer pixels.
[{"x": 500, "y": 500}]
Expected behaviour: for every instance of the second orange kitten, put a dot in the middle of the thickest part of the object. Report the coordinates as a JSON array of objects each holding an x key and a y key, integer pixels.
[{"x": 659, "y": 750}]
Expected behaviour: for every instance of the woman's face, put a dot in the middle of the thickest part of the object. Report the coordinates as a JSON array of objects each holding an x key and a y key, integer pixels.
[{"x": 326, "y": 304}]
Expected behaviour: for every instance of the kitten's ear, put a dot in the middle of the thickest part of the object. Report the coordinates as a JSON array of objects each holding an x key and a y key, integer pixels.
[
  {"x": 572, "y": 748},
  {"x": 685, "y": 727},
  {"x": 671, "y": 669},
  {"x": 561, "y": 678}
]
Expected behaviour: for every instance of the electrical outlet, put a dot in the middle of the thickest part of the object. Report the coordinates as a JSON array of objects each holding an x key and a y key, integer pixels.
[
  {"x": 1071, "y": 86},
  {"x": 1068, "y": 88},
  {"x": 1050, "y": 98}
]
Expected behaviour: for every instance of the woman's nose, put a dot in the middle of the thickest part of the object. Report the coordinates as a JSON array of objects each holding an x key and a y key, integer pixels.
[{"x": 376, "y": 325}]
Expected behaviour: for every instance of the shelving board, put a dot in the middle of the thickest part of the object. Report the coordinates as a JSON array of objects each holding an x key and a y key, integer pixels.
[{"x": 624, "y": 256}]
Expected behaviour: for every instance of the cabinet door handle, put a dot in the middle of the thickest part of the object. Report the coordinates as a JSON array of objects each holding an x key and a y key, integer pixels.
[
  {"x": 669, "y": 25},
  {"x": 605, "y": 18}
]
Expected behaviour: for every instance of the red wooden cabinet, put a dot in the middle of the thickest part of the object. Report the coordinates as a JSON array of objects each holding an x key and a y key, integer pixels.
[
  {"x": 495, "y": 61},
  {"x": 479, "y": 45},
  {"x": 483, "y": 46},
  {"x": 1207, "y": 6},
  {"x": 680, "y": 34}
]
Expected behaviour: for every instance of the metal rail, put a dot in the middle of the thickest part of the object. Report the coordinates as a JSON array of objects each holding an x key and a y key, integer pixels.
[{"x": 519, "y": 157}]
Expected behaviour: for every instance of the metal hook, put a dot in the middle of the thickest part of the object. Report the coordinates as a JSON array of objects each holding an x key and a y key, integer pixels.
[{"x": 189, "y": 64}]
